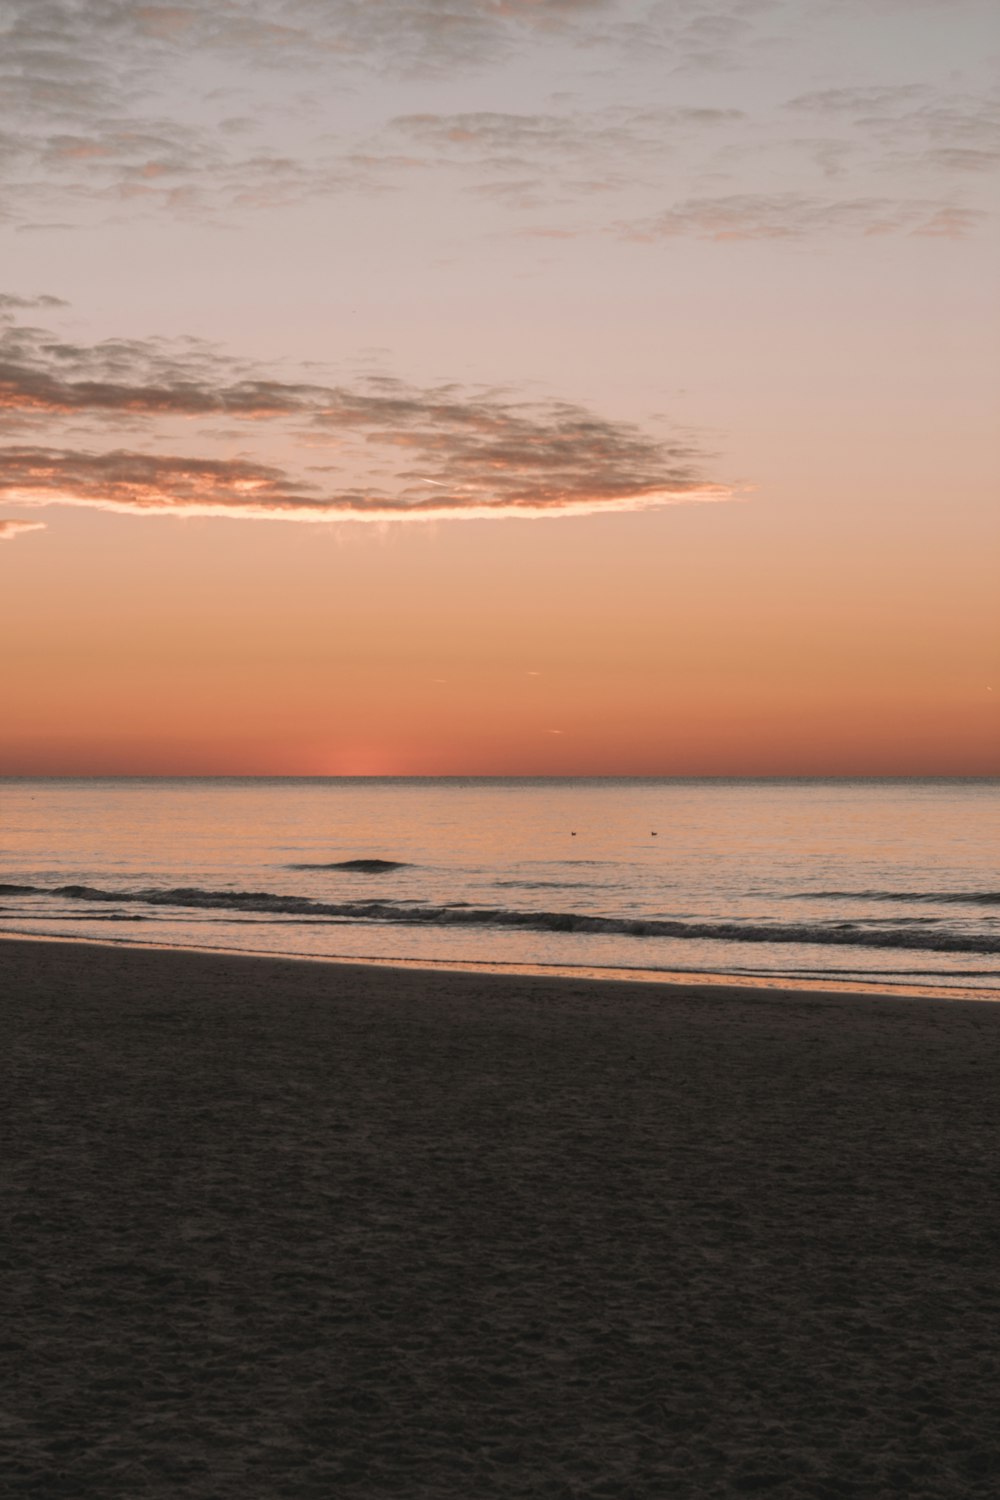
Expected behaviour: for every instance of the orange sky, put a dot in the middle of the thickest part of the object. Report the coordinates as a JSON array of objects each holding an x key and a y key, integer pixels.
[
  {"x": 658, "y": 652},
  {"x": 722, "y": 319}
]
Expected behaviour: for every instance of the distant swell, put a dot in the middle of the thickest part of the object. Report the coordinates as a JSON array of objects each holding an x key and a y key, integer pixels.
[
  {"x": 835, "y": 934},
  {"x": 362, "y": 866},
  {"x": 944, "y": 898}
]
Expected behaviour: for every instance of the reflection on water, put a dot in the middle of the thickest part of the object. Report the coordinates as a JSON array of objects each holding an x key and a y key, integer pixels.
[{"x": 890, "y": 880}]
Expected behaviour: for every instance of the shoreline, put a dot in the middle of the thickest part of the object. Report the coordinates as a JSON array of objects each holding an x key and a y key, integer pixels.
[
  {"x": 670, "y": 980},
  {"x": 304, "y": 1229}
]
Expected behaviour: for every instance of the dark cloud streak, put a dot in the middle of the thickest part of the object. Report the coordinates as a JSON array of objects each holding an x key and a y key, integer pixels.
[{"x": 487, "y": 453}]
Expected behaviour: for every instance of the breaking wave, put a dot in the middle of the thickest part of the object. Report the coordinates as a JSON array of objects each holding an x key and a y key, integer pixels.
[
  {"x": 949, "y": 898},
  {"x": 837, "y": 934}
]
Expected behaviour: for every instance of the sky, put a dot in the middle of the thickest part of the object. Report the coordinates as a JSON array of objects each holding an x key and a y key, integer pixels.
[{"x": 502, "y": 387}]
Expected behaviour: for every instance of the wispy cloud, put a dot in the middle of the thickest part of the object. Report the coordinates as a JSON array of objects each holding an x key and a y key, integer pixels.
[
  {"x": 107, "y": 109},
  {"x": 133, "y": 162},
  {"x": 62, "y": 45},
  {"x": 532, "y": 160},
  {"x": 509, "y": 140},
  {"x": 10, "y": 529},
  {"x": 791, "y": 216},
  {"x": 72, "y": 58},
  {"x": 911, "y": 126},
  {"x": 140, "y": 164},
  {"x": 431, "y": 36},
  {"x": 860, "y": 101},
  {"x": 392, "y": 451},
  {"x": 709, "y": 36},
  {"x": 99, "y": 103},
  {"x": 11, "y": 304}
]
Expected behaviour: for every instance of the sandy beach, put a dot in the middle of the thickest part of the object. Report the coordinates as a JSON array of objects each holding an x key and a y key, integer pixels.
[{"x": 286, "y": 1229}]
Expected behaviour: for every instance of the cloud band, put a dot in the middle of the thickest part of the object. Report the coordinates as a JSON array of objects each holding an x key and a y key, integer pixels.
[{"x": 400, "y": 452}]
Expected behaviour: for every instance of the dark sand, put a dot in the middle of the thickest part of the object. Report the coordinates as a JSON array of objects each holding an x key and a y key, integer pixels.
[{"x": 289, "y": 1229}]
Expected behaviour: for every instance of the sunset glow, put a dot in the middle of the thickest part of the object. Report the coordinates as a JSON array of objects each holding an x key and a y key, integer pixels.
[{"x": 699, "y": 301}]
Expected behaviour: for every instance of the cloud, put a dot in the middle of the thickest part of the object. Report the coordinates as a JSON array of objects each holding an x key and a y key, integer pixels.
[
  {"x": 43, "y": 375},
  {"x": 80, "y": 85},
  {"x": 66, "y": 52},
  {"x": 693, "y": 35},
  {"x": 107, "y": 107},
  {"x": 875, "y": 98},
  {"x": 537, "y": 161},
  {"x": 140, "y": 163},
  {"x": 531, "y": 160},
  {"x": 123, "y": 480},
  {"x": 10, "y": 529},
  {"x": 401, "y": 35},
  {"x": 505, "y": 139},
  {"x": 10, "y": 304},
  {"x": 913, "y": 126},
  {"x": 573, "y": 465},
  {"x": 65, "y": 55},
  {"x": 397, "y": 451},
  {"x": 106, "y": 103},
  {"x": 792, "y": 216},
  {"x": 137, "y": 161},
  {"x": 544, "y": 161},
  {"x": 51, "y": 227}
]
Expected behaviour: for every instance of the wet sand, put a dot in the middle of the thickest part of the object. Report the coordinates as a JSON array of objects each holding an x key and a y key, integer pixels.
[{"x": 289, "y": 1229}]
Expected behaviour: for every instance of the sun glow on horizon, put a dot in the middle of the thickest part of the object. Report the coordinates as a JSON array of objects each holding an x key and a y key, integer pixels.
[{"x": 517, "y": 267}]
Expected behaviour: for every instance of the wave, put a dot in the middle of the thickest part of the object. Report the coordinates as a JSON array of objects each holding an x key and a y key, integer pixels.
[
  {"x": 362, "y": 866},
  {"x": 836, "y": 934},
  {"x": 949, "y": 898},
  {"x": 544, "y": 885}
]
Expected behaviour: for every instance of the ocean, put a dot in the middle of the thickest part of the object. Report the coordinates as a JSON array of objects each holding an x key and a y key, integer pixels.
[{"x": 887, "y": 882}]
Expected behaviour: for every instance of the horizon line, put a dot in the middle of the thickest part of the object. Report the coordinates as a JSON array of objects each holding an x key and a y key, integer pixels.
[{"x": 501, "y": 776}]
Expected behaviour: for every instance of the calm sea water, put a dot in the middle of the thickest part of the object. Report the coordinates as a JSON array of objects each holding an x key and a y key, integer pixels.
[{"x": 887, "y": 881}]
